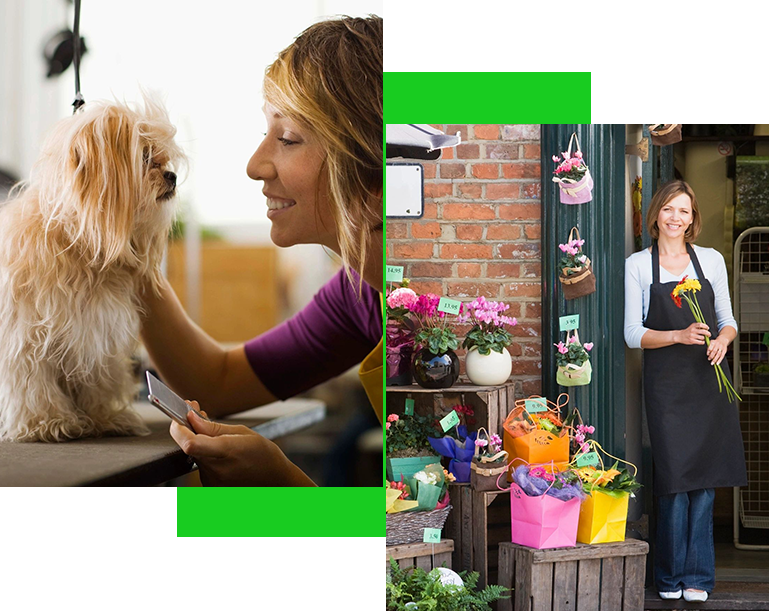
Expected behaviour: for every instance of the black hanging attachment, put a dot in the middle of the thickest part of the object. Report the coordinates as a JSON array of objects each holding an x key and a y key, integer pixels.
[
  {"x": 59, "y": 50},
  {"x": 79, "y": 101}
]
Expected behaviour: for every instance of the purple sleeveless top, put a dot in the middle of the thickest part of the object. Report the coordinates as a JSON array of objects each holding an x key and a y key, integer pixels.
[{"x": 335, "y": 331}]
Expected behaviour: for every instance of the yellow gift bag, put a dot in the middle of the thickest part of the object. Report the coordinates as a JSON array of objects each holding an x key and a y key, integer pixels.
[
  {"x": 603, "y": 517},
  {"x": 603, "y": 514}
]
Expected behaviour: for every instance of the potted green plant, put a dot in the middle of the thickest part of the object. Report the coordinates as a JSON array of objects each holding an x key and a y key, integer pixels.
[
  {"x": 435, "y": 363},
  {"x": 414, "y": 589},
  {"x": 488, "y": 363},
  {"x": 761, "y": 375},
  {"x": 408, "y": 450}
]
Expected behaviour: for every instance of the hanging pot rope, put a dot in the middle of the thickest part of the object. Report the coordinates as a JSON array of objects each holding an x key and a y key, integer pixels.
[{"x": 79, "y": 101}]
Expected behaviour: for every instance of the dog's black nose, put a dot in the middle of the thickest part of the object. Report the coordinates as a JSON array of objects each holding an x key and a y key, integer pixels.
[{"x": 170, "y": 178}]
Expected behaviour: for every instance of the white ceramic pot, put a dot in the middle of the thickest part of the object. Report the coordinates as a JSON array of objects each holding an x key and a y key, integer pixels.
[{"x": 492, "y": 369}]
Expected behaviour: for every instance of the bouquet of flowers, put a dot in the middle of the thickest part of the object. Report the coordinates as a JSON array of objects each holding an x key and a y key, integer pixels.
[
  {"x": 399, "y": 332},
  {"x": 687, "y": 290},
  {"x": 613, "y": 481},
  {"x": 536, "y": 481},
  {"x": 488, "y": 332},
  {"x": 460, "y": 450},
  {"x": 574, "y": 367}
]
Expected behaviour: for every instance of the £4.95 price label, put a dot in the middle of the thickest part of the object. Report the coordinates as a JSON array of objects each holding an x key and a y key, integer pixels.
[
  {"x": 394, "y": 273},
  {"x": 569, "y": 323},
  {"x": 536, "y": 405},
  {"x": 589, "y": 459}
]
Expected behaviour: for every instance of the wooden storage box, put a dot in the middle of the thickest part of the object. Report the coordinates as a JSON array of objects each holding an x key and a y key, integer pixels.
[
  {"x": 426, "y": 556},
  {"x": 477, "y": 524},
  {"x": 490, "y": 403},
  {"x": 580, "y": 578}
]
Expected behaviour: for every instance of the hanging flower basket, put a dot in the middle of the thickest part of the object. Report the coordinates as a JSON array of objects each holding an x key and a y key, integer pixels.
[
  {"x": 663, "y": 134},
  {"x": 573, "y": 176},
  {"x": 576, "y": 275}
]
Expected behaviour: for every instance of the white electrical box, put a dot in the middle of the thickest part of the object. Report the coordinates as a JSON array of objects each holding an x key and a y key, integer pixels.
[{"x": 404, "y": 190}]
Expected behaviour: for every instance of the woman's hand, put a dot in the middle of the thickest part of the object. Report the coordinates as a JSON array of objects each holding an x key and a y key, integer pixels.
[
  {"x": 694, "y": 334},
  {"x": 717, "y": 350},
  {"x": 234, "y": 455}
]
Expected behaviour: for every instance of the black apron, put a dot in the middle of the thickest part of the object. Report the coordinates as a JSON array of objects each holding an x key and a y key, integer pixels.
[{"x": 695, "y": 432}]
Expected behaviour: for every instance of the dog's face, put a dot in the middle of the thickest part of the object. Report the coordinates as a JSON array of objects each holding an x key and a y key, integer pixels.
[{"x": 106, "y": 180}]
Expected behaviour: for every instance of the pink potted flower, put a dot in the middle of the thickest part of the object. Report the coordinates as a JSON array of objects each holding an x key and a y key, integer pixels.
[{"x": 488, "y": 363}]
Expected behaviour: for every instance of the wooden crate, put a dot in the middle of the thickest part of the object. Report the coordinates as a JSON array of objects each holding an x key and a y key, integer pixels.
[
  {"x": 581, "y": 578},
  {"x": 426, "y": 556},
  {"x": 478, "y": 523},
  {"x": 490, "y": 403}
]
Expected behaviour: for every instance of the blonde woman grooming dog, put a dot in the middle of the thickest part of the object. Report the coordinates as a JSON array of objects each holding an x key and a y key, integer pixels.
[{"x": 321, "y": 168}]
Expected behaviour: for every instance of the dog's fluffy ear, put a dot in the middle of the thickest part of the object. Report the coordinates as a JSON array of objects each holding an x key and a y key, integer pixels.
[{"x": 106, "y": 171}]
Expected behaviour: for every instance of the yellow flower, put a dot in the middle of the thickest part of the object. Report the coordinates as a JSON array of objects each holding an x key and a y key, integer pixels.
[
  {"x": 605, "y": 477},
  {"x": 586, "y": 474},
  {"x": 687, "y": 284}
]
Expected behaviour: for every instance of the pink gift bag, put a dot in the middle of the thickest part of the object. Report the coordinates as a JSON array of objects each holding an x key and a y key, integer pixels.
[{"x": 543, "y": 521}]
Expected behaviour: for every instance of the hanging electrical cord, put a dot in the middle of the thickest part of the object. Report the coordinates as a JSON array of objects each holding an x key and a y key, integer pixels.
[{"x": 79, "y": 101}]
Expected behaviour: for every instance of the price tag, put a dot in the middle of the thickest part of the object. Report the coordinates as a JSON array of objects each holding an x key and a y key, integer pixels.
[
  {"x": 452, "y": 419},
  {"x": 765, "y": 341},
  {"x": 590, "y": 459},
  {"x": 394, "y": 273},
  {"x": 450, "y": 306},
  {"x": 432, "y": 535},
  {"x": 409, "y": 407},
  {"x": 568, "y": 323},
  {"x": 536, "y": 405}
]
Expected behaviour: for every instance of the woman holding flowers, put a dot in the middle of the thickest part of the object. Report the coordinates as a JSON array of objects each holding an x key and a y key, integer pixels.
[{"x": 693, "y": 421}]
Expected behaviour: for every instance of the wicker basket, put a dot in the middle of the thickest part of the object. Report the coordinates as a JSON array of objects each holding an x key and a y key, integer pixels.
[{"x": 408, "y": 526}]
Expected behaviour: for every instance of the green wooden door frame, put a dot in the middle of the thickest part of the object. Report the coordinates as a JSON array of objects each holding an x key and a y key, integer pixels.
[{"x": 601, "y": 223}]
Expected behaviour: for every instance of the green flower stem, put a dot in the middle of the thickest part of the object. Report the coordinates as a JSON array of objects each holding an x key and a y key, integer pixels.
[{"x": 694, "y": 306}]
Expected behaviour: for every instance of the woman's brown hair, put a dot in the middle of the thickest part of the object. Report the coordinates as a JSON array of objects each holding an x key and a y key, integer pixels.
[
  {"x": 330, "y": 81},
  {"x": 663, "y": 195}
]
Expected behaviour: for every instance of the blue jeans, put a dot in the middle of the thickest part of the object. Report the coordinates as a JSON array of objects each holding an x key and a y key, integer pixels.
[{"x": 685, "y": 556}]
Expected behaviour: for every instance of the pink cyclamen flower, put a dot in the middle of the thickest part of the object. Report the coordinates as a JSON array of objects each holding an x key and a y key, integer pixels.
[
  {"x": 561, "y": 347},
  {"x": 496, "y": 440},
  {"x": 562, "y": 247},
  {"x": 578, "y": 154},
  {"x": 481, "y": 443},
  {"x": 588, "y": 346},
  {"x": 556, "y": 158},
  {"x": 572, "y": 339},
  {"x": 392, "y": 418}
]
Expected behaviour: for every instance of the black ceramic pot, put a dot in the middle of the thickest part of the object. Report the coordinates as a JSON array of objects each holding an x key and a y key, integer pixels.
[{"x": 435, "y": 371}]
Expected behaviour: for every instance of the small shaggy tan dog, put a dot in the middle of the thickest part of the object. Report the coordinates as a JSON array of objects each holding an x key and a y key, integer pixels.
[{"x": 77, "y": 242}]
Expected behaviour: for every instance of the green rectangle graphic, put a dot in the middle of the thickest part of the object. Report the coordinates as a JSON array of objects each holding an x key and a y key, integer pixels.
[{"x": 280, "y": 512}]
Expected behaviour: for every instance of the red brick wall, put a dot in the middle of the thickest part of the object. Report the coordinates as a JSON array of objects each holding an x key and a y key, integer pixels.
[{"x": 480, "y": 233}]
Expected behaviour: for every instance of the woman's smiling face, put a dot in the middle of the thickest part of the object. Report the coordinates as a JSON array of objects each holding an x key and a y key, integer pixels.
[
  {"x": 289, "y": 162},
  {"x": 675, "y": 216}
]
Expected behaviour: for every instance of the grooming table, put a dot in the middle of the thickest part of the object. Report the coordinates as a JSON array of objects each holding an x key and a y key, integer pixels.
[{"x": 136, "y": 461}]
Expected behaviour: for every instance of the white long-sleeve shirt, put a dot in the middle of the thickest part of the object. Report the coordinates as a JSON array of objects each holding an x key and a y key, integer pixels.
[{"x": 638, "y": 280}]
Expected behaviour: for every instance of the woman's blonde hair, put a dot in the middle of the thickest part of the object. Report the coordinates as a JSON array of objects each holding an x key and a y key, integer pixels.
[
  {"x": 663, "y": 195},
  {"x": 330, "y": 81}
]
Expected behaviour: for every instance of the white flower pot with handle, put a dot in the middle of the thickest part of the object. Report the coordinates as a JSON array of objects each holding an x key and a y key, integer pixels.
[{"x": 491, "y": 369}]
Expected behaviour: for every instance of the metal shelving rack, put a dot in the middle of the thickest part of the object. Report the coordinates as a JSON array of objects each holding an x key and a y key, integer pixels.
[{"x": 751, "y": 347}]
